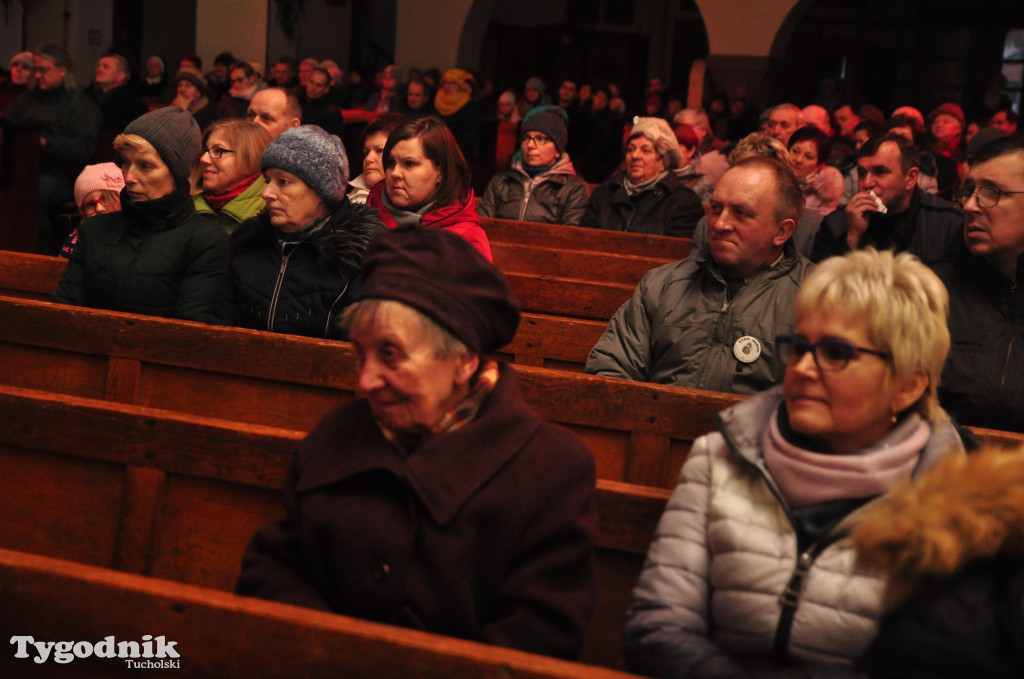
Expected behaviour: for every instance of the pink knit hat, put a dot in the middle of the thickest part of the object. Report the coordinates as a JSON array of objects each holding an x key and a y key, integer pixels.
[{"x": 102, "y": 177}]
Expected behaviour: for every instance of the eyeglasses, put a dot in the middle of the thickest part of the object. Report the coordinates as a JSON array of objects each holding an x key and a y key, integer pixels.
[
  {"x": 537, "y": 139},
  {"x": 830, "y": 354},
  {"x": 106, "y": 200},
  {"x": 987, "y": 196},
  {"x": 216, "y": 152}
]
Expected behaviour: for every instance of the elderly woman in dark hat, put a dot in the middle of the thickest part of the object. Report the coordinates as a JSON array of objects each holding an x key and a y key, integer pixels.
[
  {"x": 294, "y": 265},
  {"x": 437, "y": 499},
  {"x": 541, "y": 185},
  {"x": 647, "y": 196},
  {"x": 157, "y": 256},
  {"x": 192, "y": 95}
]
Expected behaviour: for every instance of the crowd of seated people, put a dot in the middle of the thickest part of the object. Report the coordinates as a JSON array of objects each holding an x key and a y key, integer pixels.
[{"x": 815, "y": 234}]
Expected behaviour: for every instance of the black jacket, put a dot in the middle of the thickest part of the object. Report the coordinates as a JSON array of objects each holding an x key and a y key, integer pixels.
[
  {"x": 300, "y": 285},
  {"x": 668, "y": 208},
  {"x": 930, "y": 228},
  {"x": 983, "y": 381}
]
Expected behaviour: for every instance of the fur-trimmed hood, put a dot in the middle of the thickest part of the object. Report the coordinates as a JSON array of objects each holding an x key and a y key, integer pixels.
[{"x": 962, "y": 511}]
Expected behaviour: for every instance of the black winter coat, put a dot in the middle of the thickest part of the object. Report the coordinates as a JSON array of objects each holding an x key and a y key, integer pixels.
[
  {"x": 982, "y": 384},
  {"x": 483, "y": 533},
  {"x": 668, "y": 208},
  {"x": 300, "y": 286},
  {"x": 156, "y": 257}
]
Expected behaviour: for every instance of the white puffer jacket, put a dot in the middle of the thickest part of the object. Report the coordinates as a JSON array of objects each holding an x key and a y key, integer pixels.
[{"x": 708, "y": 601}]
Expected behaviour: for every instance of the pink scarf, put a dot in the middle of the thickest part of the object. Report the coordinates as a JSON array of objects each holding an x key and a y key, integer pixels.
[{"x": 807, "y": 478}]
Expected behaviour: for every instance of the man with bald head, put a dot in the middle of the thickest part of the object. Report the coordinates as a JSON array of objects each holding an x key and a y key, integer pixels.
[
  {"x": 275, "y": 109},
  {"x": 818, "y": 116}
]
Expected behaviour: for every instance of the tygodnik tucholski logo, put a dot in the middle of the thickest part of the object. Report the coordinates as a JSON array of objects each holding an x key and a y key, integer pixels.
[{"x": 65, "y": 651}]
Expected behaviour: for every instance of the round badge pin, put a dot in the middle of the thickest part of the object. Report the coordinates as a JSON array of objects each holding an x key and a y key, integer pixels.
[{"x": 746, "y": 349}]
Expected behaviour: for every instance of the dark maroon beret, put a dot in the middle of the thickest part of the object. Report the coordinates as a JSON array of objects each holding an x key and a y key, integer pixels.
[{"x": 441, "y": 275}]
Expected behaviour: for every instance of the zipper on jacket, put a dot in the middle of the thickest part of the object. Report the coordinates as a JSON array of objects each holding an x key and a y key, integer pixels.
[
  {"x": 527, "y": 191},
  {"x": 789, "y": 600},
  {"x": 274, "y": 298},
  {"x": 330, "y": 314}
]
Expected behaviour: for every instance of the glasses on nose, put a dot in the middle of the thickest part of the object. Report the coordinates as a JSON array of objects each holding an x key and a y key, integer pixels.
[
  {"x": 216, "y": 152},
  {"x": 986, "y": 196},
  {"x": 537, "y": 139},
  {"x": 830, "y": 354},
  {"x": 91, "y": 207}
]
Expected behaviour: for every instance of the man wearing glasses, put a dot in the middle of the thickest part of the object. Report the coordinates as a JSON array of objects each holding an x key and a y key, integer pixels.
[
  {"x": 983, "y": 381},
  {"x": 889, "y": 211}
]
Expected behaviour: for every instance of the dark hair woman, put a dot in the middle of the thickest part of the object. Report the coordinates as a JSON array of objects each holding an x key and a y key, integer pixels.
[
  {"x": 427, "y": 183},
  {"x": 822, "y": 184}
]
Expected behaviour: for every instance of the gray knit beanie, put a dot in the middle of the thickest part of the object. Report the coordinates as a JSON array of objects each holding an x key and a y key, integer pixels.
[
  {"x": 549, "y": 120},
  {"x": 663, "y": 138},
  {"x": 315, "y": 157},
  {"x": 175, "y": 135}
]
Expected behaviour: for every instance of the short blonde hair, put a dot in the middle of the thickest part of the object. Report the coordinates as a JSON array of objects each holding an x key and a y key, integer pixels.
[
  {"x": 903, "y": 303},
  {"x": 133, "y": 142},
  {"x": 760, "y": 144},
  {"x": 369, "y": 311}
]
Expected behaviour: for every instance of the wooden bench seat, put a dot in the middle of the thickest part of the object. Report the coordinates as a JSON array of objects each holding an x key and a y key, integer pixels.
[
  {"x": 564, "y": 237},
  {"x": 578, "y": 264},
  {"x": 178, "y": 496},
  {"x": 217, "y": 634}
]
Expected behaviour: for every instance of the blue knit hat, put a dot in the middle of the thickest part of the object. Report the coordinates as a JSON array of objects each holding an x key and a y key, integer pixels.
[{"x": 314, "y": 156}]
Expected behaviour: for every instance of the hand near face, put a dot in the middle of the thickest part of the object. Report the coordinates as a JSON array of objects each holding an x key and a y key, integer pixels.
[{"x": 857, "y": 213}]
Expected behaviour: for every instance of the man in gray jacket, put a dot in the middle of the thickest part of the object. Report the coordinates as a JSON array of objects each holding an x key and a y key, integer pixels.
[{"x": 710, "y": 321}]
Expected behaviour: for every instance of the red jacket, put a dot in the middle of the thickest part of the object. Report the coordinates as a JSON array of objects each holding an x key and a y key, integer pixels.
[{"x": 460, "y": 218}]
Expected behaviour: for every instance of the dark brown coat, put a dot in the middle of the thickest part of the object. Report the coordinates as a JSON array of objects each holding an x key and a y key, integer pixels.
[{"x": 485, "y": 533}]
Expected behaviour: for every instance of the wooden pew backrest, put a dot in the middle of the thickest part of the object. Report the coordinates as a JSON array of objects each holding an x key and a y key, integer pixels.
[{"x": 583, "y": 238}]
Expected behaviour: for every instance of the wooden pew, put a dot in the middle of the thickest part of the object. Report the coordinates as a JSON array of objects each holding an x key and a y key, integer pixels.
[
  {"x": 178, "y": 496},
  {"x": 590, "y": 265},
  {"x": 217, "y": 634},
  {"x": 564, "y": 237},
  {"x": 640, "y": 433},
  {"x": 36, "y": 276}
]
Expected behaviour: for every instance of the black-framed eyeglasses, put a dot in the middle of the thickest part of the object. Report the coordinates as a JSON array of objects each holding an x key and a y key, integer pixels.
[
  {"x": 987, "y": 196},
  {"x": 537, "y": 139},
  {"x": 830, "y": 353},
  {"x": 216, "y": 152}
]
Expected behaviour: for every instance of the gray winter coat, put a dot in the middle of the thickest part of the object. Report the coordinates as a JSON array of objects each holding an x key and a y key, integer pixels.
[
  {"x": 557, "y": 196},
  {"x": 683, "y": 327}
]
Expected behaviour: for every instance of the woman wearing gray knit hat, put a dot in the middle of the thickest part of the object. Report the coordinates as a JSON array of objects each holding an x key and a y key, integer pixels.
[
  {"x": 646, "y": 197},
  {"x": 294, "y": 264},
  {"x": 541, "y": 185},
  {"x": 157, "y": 256}
]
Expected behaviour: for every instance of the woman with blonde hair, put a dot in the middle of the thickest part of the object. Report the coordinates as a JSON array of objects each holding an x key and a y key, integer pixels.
[
  {"x": 156, "y": 256},
  {"x": 752, "y": 571},
  {"x": 230, "y": 183}
]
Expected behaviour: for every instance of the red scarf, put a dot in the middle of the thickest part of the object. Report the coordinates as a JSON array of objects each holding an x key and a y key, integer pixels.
[{"x": 218, "y": 200}]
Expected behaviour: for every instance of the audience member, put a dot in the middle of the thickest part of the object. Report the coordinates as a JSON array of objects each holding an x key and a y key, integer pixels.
[
  {"x": 783, "y": 121},
  {"x": 646, "y": 197},
  {"x": 950, "y": 545},
  {"x": 69, "y": 124},
  {"x": 97, "y": 191},
  {"x": 819, "y": 117},
  {"x": 822, "y": 184},
  {"x": 506, "y": 106},
  {"x": 541, "y": 185},
  {"x": 153, "y": 87},
  {"x": 306, "y": 67},
  {"x": 689, "y": 172},
  {"x": 17, "y": 80},
  {"x": 533, "y": 96},
  {"x": 294, "y": 265},
  {"x": 751, "y": 572},
  {"x": 275, "y": 109},
  {"x": 418, "y": 101},
  {"x": 441, "y": 428},
  {"x": 712, "y": 163},
  {"x": 455, "y": 106},
  {"x": 156, "y": 256},
  {"x": 890, "y": 211},
  {"x": 218, "y": 81},
  {"x": 427, "y": 183},
  {"x": 946, "y": 123},
  {"x": 846, "y": 119},
  {"x": 375, "y": 137},
  {"x": 193, "y": 96},
  {"x": 235, "y": 102},
  {"x": 710, "y": 321},
  {"x": 317, "y": 104},
  {"x": 389, "y": 96},
  {"x": 983, "y": 383},
  {"x": 230, "y": 184},
  {"x": 604, "y": 138},
  {"x": 1005, "y": 120},
  {"x": 284, "y": 73},
  {"x": 109, "y": 90}
]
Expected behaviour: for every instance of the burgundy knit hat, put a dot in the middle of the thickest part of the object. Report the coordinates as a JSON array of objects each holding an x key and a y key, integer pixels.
[{"x": 441, "y": 275}]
